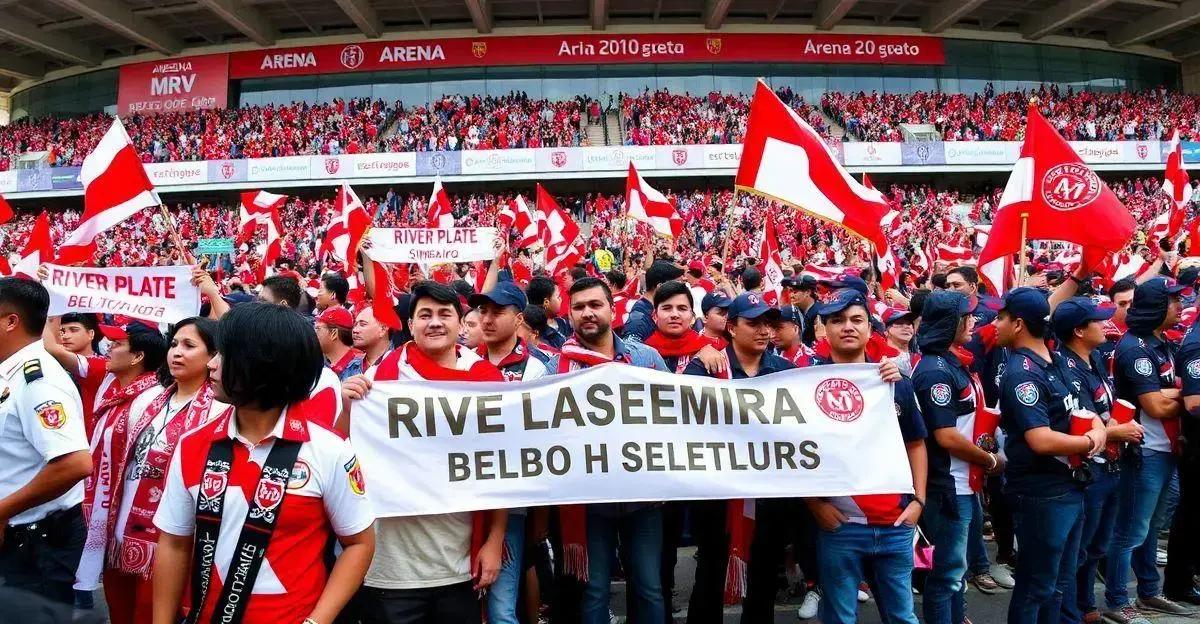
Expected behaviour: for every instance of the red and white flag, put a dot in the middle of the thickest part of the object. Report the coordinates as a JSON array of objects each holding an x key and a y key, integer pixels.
[
  {"x": 645, "y": 204},
  {"x": 6, "y": 211},
  {"x": 559, "y": 234},
  {"x": 38, "y": 250},
  {"x": 954, "y": 254},
  {"x": 785, "y": 159},
  {"x": 259, "y": 208},
  {"x": 346, "y": 232},
  {"x": 115, "y": 187},
  {"x": 516, "y": 215},
  {"x": 1176, "y": 185},
  {"x": 921, "y": 260},
  {"x": 823, "y": 272},
  {"x": 771, "y": 263},
  {"x": 1058, "y": 197},
  {"x": 885, "y": 260},
  {"x": 440, "y": 214}
]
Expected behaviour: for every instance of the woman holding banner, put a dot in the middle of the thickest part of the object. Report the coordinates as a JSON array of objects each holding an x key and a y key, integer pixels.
[{"x": 121, "y": 541}]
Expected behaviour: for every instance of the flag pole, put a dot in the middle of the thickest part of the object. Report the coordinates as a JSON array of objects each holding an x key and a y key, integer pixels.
[
  {"x": 728, "y": 231},
  {"x": 1021, "y": 257},
  {"x": 183, "y": 252}
]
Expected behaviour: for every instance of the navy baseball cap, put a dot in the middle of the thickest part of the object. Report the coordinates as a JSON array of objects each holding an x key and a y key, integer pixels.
[
  {"x": 504, "y": 294},
  {"x": 846, "y": 280},
  {"x": 804, "y": 282},
  {"x": 841, "y": 300},
  {"x": 896, "y": 315},
  {"x": 791, "y": 315},
  {"x": 1075, "y": 312},
  {"x": 714, "y": 299},
  {"x": 1028, "y": 304},
  {"x": 750, "y": 305}
]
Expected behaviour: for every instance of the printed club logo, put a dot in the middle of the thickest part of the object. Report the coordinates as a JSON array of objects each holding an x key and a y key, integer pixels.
[
  {"x": 558, "y": 159},
  {"x": 352, "y": 56},
  {"x": 479, "y": 49},
  {"x": 1193, "y": 369},
  {"x": 51, "y": 414},
  {"x": 1070, "y": 186},
  {"x": 679, "y": 156},
  {"x": 227, "y": 170},
  {"x": 213, "y": 483},
  {"x": 1143, "y": 151},
  {"x": 839, "y": 399},
  {"x": 714, "y": 45},
  {"x": 438, "y": 161},
  {"x": 332, "y": 165},
  {"x": 268, "y": 495}
]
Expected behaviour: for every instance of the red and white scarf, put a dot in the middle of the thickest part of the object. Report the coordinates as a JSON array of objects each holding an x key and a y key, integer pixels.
[{"x": 684, "y": 347}]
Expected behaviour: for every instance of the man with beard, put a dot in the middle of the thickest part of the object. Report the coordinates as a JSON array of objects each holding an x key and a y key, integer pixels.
[
  {"x": 589, "y": 532},
  {"x": 422, "y": 568},
  {"x": 950, "y": 398},
  {"x": 868, "y": 536},
  {"x": 1144, "y": 375}
]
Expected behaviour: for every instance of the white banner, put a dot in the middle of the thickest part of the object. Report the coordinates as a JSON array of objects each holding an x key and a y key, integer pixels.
[
  {"x": 618, "y": 158},
  {"x": 363, "y": 166},
  {"x": 981, "y": 152},
  {"x": 285, "y": 168},
  {"x": 617, "y": 433},
  {"x": 162, "y": 294},
  {"x": 722, "y": 156},
  {"x": 679, "y": 157},
  {"x": 176, "y": 173},
  {"x": 498, "y": 161},
  {"x": 1141, "y": 151},
  {"x": 8, "y": 182},
  {"x": 857, "y": 153},
  {"x": 432, "y": 245},
  {"x": 1098, "y": 151},
  {"x": 559, "y": 158}
]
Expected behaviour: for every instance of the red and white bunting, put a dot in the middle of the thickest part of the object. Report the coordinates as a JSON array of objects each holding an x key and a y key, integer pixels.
[
  {"x": 440, "y": 214},
  {"x": 771, "y": 263},
  {"x": 647, "y": 205}
]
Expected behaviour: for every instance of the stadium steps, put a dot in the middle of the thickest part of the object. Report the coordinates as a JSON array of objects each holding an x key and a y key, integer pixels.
[
  {"x": 836, "y": 131},
  {"x": 612, "y": 128},
  {"x": 595, "y": 133}
]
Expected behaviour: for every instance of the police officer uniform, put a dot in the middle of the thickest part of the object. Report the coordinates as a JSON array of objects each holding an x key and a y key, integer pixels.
[
  {"x": 41, "y": 418},
  {"x": 1047, "y": 499}
]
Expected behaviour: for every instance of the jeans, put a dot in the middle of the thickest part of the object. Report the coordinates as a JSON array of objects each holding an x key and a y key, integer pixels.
[
  {"x": 502, "y": 595},
  {"x": 642, "y": 537},
  {"x": 1142, "y": 492},
  {"x": 947, "y": 519},
  {"x": 448, "y": 604},
  {"x": 1048, "y": 530},
  {"x": 1100, "y": 501},
  {"x": 881, "y": 554},
  {"x": 1183, "y": 551},
  {"x": 977, "y": 555}
]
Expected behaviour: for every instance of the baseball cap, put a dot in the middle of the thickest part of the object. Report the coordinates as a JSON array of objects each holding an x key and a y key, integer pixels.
[
  {"x": 1027, "y": 304},
  {"x": 841, "y": 300},
  {"x": 848, "y": 280},
  {"x": 1075, "y": 312},
  {"x": 336, "y": 316},
  {"x": 1189, "y": 276},
  {"x": 118, "y": 332},
  {"x": 750, "y": 305},
  {"x": 804, "y": 282},
  {"x": 504, "y": 294},
  {"x": 696, "y": 265},
  {"x": 714, "y": 299},
  {"x": 896, "y": 315},
  {"x": 791, "y": 315}
]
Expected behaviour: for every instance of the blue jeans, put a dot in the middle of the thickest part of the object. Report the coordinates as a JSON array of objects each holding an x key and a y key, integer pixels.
[
  {"x": 1100, "y": 501},
  {"x": 502, "y": 595},
  {"x": 641, "y": 535},
  {"x": 977, "y": 555},
  {"x": 1048, "y": 530},
  {"x": 881, "y": 554},
  {"x": 947, "y": 519},
  {"x": 1142, "y": 493}
]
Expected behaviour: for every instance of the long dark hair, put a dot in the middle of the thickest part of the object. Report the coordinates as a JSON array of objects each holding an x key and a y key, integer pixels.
[{"x": 207, "y": 329}]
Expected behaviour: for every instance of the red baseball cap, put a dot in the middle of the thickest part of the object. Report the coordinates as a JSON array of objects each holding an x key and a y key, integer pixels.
[
  {"x": 336, "y": 316},
  {"x": 118, "y": 332},
  {"x": 696, "y": 265}
]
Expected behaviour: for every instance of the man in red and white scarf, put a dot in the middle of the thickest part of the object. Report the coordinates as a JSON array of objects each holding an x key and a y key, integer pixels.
[
  {"x": 594, "y": 343},
  {"x": 430, "y": 568},
  {"x": 674, "y": 337}
]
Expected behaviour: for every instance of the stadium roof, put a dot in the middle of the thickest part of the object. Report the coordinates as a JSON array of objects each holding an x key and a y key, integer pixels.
[{"x": 44, "y": 35}]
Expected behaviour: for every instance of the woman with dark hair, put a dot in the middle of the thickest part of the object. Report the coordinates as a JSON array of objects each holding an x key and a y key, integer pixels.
[
  {"x": 121, "y": 534},
  {"x": 266, "y": 482}
]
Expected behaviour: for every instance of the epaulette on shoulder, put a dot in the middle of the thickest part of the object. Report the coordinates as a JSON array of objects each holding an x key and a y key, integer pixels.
[{"x": 33, "y": 370}]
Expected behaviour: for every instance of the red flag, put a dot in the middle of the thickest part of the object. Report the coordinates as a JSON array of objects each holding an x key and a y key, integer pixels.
[
  {"x": 115, "y": 187},
  {"x": 517, "y": 216},
  {"x": 559, "y": 233},
  {"x": 346, "y": 233},
  {"x": 440, "y": 214},
  {"x": 647, "y": 205},
  {"x": 888, "y": 265},
  {"x": 1061, "y": 198},
  {"x": 771, "y": 262},
  {"x": 6, "y": 211},
  {"x": 259, "y": 208},
  {"x": 1176, "y": 186},
  {"x": 785, "y": 159},
  {"x": 381, "y": 300},
  {"x": 38, "y": 250}
]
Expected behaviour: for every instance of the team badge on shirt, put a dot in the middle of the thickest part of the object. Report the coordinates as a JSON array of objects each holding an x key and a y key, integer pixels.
[
  {"x": 1027, "y": 393},
  {"x": 358, "y": 485},
  {"x": 1193, "y": 369},
  {"x": 940, "y": 394},
  {"x": 1142, "y": 366},
  {"x": 51, "y": 414},
  {"x": 300, "y": 475}
]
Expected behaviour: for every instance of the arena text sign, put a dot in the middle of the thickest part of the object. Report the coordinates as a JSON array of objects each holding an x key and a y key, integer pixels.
[
  {"x": 617, "y": 433},
  {"x": 432, "y": 245},
  {"x": 163, "y": 294}
]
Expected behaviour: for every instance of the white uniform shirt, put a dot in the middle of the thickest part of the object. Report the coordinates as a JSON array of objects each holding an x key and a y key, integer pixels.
[{"x": 40, "y": 420}]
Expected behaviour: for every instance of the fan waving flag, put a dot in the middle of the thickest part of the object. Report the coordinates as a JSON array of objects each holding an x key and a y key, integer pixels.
[
  {"x": 516, "y": 215},
  {"x": 346, "y": 233},
  {"x": 559, "y": 234},
  {"x": 1177, "y": 186},
  {"x": 784, "y": 159},
  {"x": 441, "y": 215},
  {"x": 772, "y": 263},
  {"x": 38, "y": 250},
  {"x": 647, "y": 205},
  {"x": 258, "y": 208},
  {"x": 1058, "y": 197},
  {"x": 115, "y": 187}
]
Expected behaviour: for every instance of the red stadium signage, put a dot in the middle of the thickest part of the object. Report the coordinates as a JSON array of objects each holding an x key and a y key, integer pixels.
[
  {"x": 588, "y": 49},
  {"x": 174, "y": 85}
]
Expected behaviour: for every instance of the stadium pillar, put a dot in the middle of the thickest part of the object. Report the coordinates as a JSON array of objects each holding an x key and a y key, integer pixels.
[{"x": 1191, "y": 74}]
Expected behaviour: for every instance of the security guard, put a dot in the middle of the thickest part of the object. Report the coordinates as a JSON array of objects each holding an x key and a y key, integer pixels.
[
  {"x": 1036, "y": 404},
  {"x": 43, "y": 452}
]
